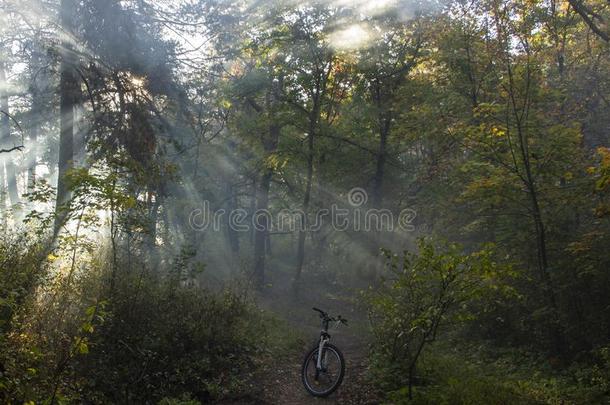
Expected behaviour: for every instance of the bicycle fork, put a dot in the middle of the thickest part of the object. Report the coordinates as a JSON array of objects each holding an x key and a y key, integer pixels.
[{"x": 324, "y": 338}]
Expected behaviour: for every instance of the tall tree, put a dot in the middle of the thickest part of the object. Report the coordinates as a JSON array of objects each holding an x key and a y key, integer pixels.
[
  {"x": 269, "y": 139},
  {"x": 519, "y": 100},
  {"x": 68, "y": 94},
  {"x": 312, "y": 61},
  {"x": 39, "y": 80}
]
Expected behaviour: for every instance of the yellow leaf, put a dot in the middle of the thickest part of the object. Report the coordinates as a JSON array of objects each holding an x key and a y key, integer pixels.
[
  {"x": 83, "y": 348},
  {"x": 87, "y": 327},
  {"x": 497, "y": 132}
]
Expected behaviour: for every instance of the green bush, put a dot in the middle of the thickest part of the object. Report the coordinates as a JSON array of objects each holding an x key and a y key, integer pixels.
[
  {"x": 423, "y": 291},
  {"x": 487, "y": 375},
  {"x": 157, "y": 344},
  {"x": 420, "y": 291},
  {"x": 450, "y": 379},
  {"x": 149, "y": 339},
  {"x": 21, "y": 265}
]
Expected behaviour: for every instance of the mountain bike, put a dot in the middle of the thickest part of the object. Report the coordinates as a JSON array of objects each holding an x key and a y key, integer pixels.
[{"x": 324, "y": 366}]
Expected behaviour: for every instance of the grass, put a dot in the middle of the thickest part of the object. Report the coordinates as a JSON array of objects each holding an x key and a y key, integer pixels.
[{"x": 481, "y": 375}]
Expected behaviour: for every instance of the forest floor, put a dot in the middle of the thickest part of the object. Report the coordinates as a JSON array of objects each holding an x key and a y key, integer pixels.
[
  {"x": 474, "y": 374},
  {"x": 281, "y": 384},
  {"x": 279, "y": 379}
]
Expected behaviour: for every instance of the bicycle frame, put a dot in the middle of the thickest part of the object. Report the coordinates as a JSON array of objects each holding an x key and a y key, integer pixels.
[{"x": 324, "y": 337}]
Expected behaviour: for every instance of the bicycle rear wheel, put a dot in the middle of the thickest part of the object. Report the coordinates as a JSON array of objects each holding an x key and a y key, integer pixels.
[{"x": 321, "y": 383}]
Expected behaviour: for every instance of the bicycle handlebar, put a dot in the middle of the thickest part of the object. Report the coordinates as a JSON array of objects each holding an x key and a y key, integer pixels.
[
  {"x": 322, "y": 313},
  {"x": 327, "y": 318}
]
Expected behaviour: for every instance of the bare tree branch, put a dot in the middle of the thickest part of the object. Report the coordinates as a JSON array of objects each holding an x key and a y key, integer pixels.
[{"x": 14, "y": 148}]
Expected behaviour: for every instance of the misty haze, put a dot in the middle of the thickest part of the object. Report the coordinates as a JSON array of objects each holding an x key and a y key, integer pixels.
[{"x": 304, "y": 202}]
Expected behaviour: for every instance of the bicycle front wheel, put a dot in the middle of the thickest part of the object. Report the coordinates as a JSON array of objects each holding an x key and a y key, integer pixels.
[{"x": 323, "y": 382}]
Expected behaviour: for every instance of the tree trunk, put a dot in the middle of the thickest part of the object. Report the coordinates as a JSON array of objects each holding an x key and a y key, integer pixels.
[
  {"x": 8, "y": 141},
  {"x": 542, "y": 253},
  {"x": 232, "y": 234},
  {"x": 252, "y": 208},
  {"x": 306, "y": 200},
  {"x": 306, "y": 197},
  {"x": 314, "y": 117},
  {"x": 543, "y": 265},
  {"x": 270, "y": 141},
  {"x": 3, "y": 210},
  {"x": 33, "y": 157},
  {"x": 383, "y": 122},
  {"x": 68, "y": 89},
  {"x": 375, "y": 240},
  {"x": 39, "y": 82},
  {"x": 320, "y": 238},
  {"x": 384, "y": 132},
  {"x": 261, "y": 231}
]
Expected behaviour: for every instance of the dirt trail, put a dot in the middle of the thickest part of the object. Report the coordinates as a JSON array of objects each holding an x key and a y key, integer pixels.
[
  {"x": 283, "y": 385},
  {"x": 281, "y": 382}
]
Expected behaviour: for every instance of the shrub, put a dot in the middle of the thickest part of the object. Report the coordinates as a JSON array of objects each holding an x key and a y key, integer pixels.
[
  {"x": 21, "y": 266},
  {"x": 147, "y": 340},
  {"x": 156, "y": 344},
  {"x": 408, "y": 307}
]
